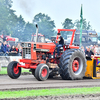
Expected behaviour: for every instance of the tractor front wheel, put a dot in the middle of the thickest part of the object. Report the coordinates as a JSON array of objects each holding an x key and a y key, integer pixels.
[
  {"x": 42, "y": 72},
  {"x": 13, "y": 71}
]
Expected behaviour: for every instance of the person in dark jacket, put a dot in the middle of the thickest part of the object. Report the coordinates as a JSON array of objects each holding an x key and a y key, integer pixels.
[
  {"x": 0, "y": 46},
  {"x": 88, "y": 52},
  {"x": 4, "y": 48},
  {"x": 60, "y": 41},
  {"x": 13, "y": 49},
  {"x": 1, "y": 53}
]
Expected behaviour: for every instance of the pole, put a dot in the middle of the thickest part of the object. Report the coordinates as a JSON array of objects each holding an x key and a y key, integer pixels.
[{"x": 81, "y": 26}]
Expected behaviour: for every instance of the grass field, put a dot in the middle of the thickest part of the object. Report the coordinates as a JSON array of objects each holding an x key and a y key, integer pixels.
[
  {"x": 49, "y": 92},
  {"x": 4, "y": 70}
]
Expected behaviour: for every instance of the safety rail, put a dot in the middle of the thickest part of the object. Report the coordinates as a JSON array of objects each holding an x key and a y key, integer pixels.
[{"x": 5, "y": 60}]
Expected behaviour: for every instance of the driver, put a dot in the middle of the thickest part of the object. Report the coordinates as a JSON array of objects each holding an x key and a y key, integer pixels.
[{"x": 60, "y": 43}]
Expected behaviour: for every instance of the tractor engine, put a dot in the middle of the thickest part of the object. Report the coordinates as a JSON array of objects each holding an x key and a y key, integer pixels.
[{"x": 37, "y": 51}]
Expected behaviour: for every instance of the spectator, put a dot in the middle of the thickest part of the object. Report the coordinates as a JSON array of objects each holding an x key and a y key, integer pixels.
[
  {"x": 4, "y": 48},
  {"x": 0, "y": 46},
  {"x": 1, "y": 53},
  {"x": 4, "y": 37},
  {"x": 98, "y": 52},
  {"x": 8, "y": 45},
  {"x": 92, "y": 48},
  {"x": 19, "y": 49},
  {"x": 13, "y": 49},
  {"x": 82, "y": 48},
  {"x": 88, "y": 52},
  {"x": 96, "y": 49}
]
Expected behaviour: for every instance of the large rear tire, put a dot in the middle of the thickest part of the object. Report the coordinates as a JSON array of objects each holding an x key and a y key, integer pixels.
[
  {"x": 42, "y": 72},
  {"x": 13, "y": 71},
  {"x": 72, "y": 64}
]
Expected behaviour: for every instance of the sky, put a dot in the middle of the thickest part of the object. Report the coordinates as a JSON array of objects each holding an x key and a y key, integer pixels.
[{"x": 59, "y": 10}]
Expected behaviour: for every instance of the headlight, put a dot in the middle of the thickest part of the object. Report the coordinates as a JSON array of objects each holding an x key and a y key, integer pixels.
[{"x": 29, "y": 44}]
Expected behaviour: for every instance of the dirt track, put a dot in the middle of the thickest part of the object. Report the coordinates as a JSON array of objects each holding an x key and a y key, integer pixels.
[{"x": 29, "y": 82}]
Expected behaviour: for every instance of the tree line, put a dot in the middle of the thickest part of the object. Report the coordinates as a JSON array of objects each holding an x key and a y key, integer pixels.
[{"x": 11, "y": 24}]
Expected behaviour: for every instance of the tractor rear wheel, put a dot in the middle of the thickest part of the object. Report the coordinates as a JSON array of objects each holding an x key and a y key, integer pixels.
[
  {"x": 13, "y": 71},
  {"x": 42, "y": 72},
  {"x": 72, "y": 64}
]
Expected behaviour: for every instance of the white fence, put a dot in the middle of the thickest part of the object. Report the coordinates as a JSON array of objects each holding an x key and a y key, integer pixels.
[{"x": 5, "y": 60}]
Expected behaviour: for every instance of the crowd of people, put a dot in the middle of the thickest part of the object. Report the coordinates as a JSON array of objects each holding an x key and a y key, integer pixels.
[
  {"x": 7, "y": 50},
  {"x": 91, "y": 50}
]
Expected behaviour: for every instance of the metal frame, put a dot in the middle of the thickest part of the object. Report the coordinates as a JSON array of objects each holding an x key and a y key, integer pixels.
[{"x": 70, "y": 45}]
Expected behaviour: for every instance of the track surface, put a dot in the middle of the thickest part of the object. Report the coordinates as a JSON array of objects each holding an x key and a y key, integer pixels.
[{"x": 29, "y": 82}]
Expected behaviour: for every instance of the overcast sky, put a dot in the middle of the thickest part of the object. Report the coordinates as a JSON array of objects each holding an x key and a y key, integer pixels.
[{"x": 58, "y": 10}]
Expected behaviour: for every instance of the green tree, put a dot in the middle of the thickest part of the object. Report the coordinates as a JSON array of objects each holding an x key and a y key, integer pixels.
[
  {"x": 86, "y": 25},
  {"x": 28, "y": 31},
  {"x": 77, "y": 24},
  {"x": 89, "y": 27},
  {"x": 67, "y": 24},
  {"x": 3, "y": 17},
  {"x": 8, "y": 3},
  {"x": 7, "y": 17},
  {"x": 18, "y": 30},
  {"x": 45, "y": 24}
]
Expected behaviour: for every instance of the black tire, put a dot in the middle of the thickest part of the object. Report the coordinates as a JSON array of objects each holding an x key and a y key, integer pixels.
[
  {"x": 13, "y": 71},
  {"x": 72, "y": 64},
  {"x": 39, "y": 72}
]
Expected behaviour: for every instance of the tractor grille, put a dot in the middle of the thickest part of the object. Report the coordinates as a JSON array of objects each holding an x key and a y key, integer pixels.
[{"x": 27, "y": 53}]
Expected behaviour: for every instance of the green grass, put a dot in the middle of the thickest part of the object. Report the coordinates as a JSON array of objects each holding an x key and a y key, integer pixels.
[
  {"x": 4, "y": 70},
  {"x": 49, "y": 92}
]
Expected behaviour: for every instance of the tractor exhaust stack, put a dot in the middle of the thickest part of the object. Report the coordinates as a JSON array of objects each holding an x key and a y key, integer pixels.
[{"x": 36, "y": 33}]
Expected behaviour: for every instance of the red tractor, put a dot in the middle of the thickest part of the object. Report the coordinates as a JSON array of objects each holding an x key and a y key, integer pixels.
[{"x": 38, "y": 57}]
